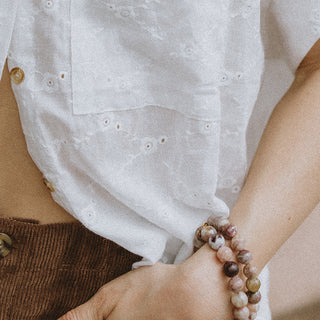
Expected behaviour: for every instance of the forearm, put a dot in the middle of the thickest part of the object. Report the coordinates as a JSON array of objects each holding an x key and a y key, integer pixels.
[{"x": 283, "y": 183}]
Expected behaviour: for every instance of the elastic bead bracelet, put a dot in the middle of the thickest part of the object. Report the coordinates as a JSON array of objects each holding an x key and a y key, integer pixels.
[{"x": 214, "y": 232}]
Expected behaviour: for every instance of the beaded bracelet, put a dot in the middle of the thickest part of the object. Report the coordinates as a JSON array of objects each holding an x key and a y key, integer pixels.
[{"x": 214, "y": 232}]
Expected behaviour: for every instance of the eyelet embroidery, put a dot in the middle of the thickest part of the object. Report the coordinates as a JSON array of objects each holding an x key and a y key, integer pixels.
[
  {"x": 162, "y": 139},
  {"x": 235, "y": 189},
  {"x": 227, "y": 182},
  {"x": 88, "y": 215},
  {"x": 49, "y": 5},
  {"x": 148, "y": 145},
  {"x": 49, "y": 82}
]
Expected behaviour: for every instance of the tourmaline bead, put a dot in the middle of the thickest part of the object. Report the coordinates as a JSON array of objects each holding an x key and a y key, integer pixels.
[
  {"x": 218, "y": 222},
  {"x": 230, "y": 231},
  {"x": 250, "y": 270},
  {"x": 241, "y": 314},
  {"x": 230, "y": 269},
  {"x": 253, "y": 308},
  {"x": 216, "y": 241},
  {"x": 239, "y": 300},
  {"x": 253, "y": 284},
  {"x": 224, "y": 254},
  {"x": 254, "y": 297},
  {"x": 244, "y": 256},
  {"x": 206, "y": 232},
  {"x": 236, "y": 284},
  {"x": 238, "y": 244},
  {"x": 252, "y": 316}
]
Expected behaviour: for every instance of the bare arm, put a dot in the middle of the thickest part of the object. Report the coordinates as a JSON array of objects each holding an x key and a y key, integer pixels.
[{"x": 283, "y": 183}]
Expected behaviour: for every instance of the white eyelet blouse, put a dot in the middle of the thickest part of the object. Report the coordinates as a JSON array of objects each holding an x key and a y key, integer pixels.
[{"x": 136, "y": 111}]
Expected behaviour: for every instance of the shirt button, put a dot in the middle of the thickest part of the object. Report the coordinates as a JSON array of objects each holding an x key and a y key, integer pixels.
[
  {"x": 48, "y": 184},
  {"x": 17, "y": 75},
  {"x": 5, "y": 244}
]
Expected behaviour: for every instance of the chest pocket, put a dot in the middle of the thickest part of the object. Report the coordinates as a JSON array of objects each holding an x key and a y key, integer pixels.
[{"x": 128, "y": 54}]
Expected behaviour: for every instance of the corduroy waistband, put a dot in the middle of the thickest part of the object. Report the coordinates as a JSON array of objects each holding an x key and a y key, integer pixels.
[{"x": 52, "y": 268}]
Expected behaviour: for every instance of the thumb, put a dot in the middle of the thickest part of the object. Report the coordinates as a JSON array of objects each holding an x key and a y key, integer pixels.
[
  {"x": 85, "y": 311},
  {"x": 96, "y": 308}
]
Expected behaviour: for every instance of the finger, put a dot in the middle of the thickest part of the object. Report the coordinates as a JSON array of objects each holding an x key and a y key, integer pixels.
[
  {"x": 85, "y": 311},
  {"x": 97, "y": 308}
]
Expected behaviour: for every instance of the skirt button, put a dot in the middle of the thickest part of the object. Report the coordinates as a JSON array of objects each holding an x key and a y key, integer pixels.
[{"x": 5, "y": 244}]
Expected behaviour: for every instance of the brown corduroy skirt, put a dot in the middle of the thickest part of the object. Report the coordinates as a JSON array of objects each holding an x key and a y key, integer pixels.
[{"x": 53, "y": 268}]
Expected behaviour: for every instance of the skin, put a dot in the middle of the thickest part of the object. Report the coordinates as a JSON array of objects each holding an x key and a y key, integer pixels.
[
  {"x": 280, "y": 191},
  {"x": 22, "y": 192}
]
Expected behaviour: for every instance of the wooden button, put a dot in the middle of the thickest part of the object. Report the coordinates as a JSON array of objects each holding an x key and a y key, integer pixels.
[
  {"x": 5, "y": 244},
  {"x": 16, "y": 75},
  {"x": 48, "y": 184}
]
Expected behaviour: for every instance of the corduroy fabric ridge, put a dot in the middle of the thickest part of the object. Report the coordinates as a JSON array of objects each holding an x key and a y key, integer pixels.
[{"x": 53, "y": 268}]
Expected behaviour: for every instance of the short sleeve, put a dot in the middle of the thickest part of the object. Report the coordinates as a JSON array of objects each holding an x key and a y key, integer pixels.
[
  {"x": 299, "y": 27},
  {"x": 8, "y": 10}
]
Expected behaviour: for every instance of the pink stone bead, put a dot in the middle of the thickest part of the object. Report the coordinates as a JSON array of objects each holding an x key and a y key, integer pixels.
[
  {"x": 218, "y": 222},
  {"x": 244, "y": 256},
  {"x": 230, "y": 231},
  {"x": 254, "y": 297},
  {"x": 250, "y": 271},
  {"x": 252, "y": 316},
  {"x": 253, "y": 308},
  {"x": 239, "y": 300},
  {"x": 197, "y": 243},
  {"x": 238, "y": 244},
  {"x": 241, "y": 314},
  {"x": 217, "y": 241},
  {"x": 224, "y": 254},
  {"x": 236, "y": 284},
  {"x": 206, "y": 232}
]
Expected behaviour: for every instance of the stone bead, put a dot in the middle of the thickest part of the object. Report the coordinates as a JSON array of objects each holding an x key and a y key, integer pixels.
[
  {"x": 254, "y": 297},
  {"x": 198, "y": 231},
  {"x": 250, "y": 271},
  {"x": 230, "y": 231},
  {"x": 241, "y": 314},
  {"x": 252, "y": 316},
  {"x": 218, "y": 222},
  {"x": 253, "y": 284},
  {"x": 217, "y": 241},
  {"x": 236, "y": 284},
  {"x": 224, "y": 254},
  {"x": 197, "y": 243},
  {"x": 238, "y": 244},
  {"x": 206, "y": 232},
  {"x": 244, "y": 256},
  {"x": 253, "y": 308},
  {"x": 230, "y": 269},
  {"x": 239, "y": 300}
]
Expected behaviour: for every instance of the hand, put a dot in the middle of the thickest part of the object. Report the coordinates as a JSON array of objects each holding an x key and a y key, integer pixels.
[{"x": 193, "y": 290}]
